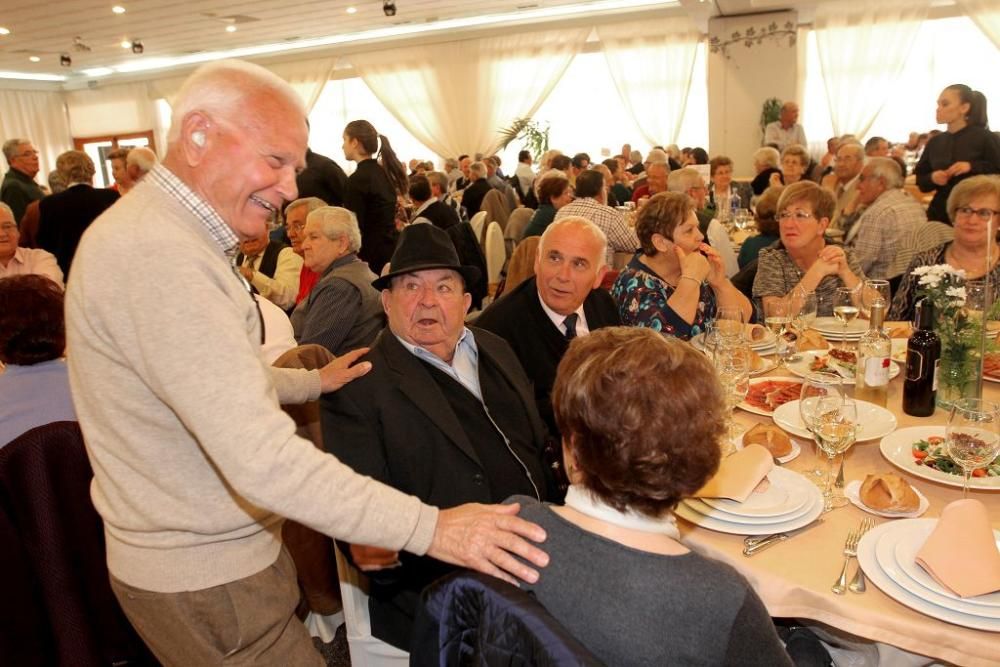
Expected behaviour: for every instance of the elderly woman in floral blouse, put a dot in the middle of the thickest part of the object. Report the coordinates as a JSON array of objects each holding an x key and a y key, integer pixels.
[{"x": 677, "y": 281}]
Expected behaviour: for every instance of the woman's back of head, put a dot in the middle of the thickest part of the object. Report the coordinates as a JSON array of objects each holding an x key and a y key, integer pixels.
[{"x": 375, "y": 144}]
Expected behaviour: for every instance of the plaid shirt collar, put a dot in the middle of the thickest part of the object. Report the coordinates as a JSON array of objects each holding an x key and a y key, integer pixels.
[{"x": 217, "y": 228}]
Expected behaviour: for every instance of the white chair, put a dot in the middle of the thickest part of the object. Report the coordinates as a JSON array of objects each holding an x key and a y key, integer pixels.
[
  {"x": 366, "y": 650},
  {"x": 478, "y": 221},
  {"x": 496, "y": 255}
]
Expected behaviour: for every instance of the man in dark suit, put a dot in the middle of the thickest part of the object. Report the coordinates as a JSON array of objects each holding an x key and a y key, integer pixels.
[
  {"x": 446, "y": 414},
  {"x": 322, "y": 178},
  {"x": 562, "y": 301},
  {"x": 426, "y": 207},
  {"x": 472, "y": 196},
  {"x": 65, "y": 216}
]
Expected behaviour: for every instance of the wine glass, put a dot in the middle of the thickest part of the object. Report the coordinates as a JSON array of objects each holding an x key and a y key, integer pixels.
[
  {"x": 732, "y": 364},
  {"x": 835, "y": 429},
  {"x": 874, "y": 291},
  {"x": 975, "y": 299},
  {"x": 973, "y": 435},
  {"x": 777, "y": 316},
  {"x": 815, "y": 388},
  {"x": 845, "y": 310},
  {"x": 730, "y": 324}
]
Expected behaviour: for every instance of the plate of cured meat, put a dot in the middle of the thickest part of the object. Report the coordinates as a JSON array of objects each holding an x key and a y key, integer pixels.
[
  {"x": 991, "y": 367},
  {"x": 769, "y": 393}
]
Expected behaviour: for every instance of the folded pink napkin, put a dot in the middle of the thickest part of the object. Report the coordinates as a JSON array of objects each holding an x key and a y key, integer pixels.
[
  {"x": 961, "y": 552},
  {"x": 738, "y": 474}
]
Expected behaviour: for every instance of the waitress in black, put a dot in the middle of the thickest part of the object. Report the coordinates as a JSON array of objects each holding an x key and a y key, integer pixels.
[
  {"x": 372, "y": 191},
  {"x": 968, "y": 148}
]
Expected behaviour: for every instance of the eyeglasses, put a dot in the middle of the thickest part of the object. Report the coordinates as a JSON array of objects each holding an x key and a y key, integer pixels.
[
  {"x": 8, "y": 227},
  {"x": 295, "y": 228},
  {"x": 800, "y": 216},
  {"x": 984, "y": 214}
]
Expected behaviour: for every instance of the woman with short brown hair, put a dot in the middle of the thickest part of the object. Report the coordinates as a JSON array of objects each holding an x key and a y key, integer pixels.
[{"x": 641, "y": 417}]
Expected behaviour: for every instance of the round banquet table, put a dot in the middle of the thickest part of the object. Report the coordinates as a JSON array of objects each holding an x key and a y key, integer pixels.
[{"x": 793, "y": 578}]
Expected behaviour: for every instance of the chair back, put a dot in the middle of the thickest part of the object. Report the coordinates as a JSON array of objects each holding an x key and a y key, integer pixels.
[
  {"x": 497, "y": 208},
  {"x": 366, "y": 650},
  {"x": 518, "y": 220},
  {"x": 496, "y": 255},
  {"x": 478, "y": 223},
  {"x": 522, "y": 262}
]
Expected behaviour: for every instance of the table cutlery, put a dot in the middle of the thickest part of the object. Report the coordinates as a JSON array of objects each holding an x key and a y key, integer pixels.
[
  {"x": 850, "y": 551},
  {"x": 753, "y": 545},
  {"x": 857, "y": 584}
]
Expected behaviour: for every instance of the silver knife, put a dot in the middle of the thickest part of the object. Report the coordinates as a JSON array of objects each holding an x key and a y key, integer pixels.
[{"x": 753, "y": 545}]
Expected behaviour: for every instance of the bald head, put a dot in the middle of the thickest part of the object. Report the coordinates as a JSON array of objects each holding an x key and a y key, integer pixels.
[{"x": 789, "y": 114}]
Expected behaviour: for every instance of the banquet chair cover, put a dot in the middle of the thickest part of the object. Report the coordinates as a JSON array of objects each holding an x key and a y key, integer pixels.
[
  {"x": 496, "y": 207},
  {"x": 478, "y": 223},
  {"x": 56, "y": 603},
  {"x": 312, "y": 551},
  {"x": 496, "y": 255},
  {"x": 469, "y": 618},
  {"x": 518, "y": 220},
  {"x": 470, "y": 253},
  {"x": 522, "y": 263},
  {"x": 366, "y": 650}
]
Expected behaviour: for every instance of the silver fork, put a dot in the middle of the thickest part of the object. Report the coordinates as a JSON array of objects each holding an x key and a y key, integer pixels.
[
  {"x": 857, "y": 584},
  {"x": 850, "y": 551}
]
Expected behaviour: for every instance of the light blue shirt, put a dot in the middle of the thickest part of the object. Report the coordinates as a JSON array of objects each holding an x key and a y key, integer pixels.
[
  {"x": 33, "y": 396},
  {"x": 464, "y": 366}
]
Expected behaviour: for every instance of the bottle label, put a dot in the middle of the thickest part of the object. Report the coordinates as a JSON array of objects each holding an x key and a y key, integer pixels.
[
  {"x": 937, "y": 367},
  {"x": 914, "y": 365},
  {"x": 877, "y": 371}
]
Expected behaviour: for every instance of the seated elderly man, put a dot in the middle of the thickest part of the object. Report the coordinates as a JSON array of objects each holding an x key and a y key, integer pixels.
[
  {"x": 342, "y": 312},
  {"x": 657, "y": 168},
  {"x": 295, "y": 225},
  {"x": 592, "y": 203},
  {"x": 879, "y": 239},
  {"x": 498, "y": 183},
  {"x": 439, "y": 191},
  {"x": 446, "y": 414},
  {"x": 473, "y": 194},
  {"x": 427, "y": 207},
  {"x": 562, "y": 301},
  {"x": 272, "y": 268},
  {"x": 843, "y": 183},
  {"x": 16, "y": 261},
  {"x": 690, "y": 182}
]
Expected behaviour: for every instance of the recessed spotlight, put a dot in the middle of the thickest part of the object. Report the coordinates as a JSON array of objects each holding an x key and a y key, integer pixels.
[
  {"x": 352, "y": 10},
  {"x": 137, "y": 47},
  {"x": 389, "y": 7},
  {"x": 126, "y": 44},
  {"x": 4, "y": 31},
  {"x": 65, "y": 60},
  {"x": 34, "y": 59},
  {"x": 230, "y": 28},
  {"x": 118, "y": 9}
]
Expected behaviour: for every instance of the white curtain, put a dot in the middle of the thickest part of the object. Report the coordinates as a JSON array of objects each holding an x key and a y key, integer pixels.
[
  {"x": 652, "y": 63},
  {"x": 39, "y": 116},
  {"x": 863, "y": 47},
  {"x": 110, "y": 110},
  {"x": 455, "y": 97},
  {"x": 307, "y": 77},
  {"x": 986, "y": 15}
]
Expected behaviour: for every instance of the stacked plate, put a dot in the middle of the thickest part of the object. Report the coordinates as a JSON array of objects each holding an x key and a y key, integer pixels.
[
  {"x": 832, "y": 329},
  {"x": 764, "y": 346},
  {"x": 887, "y": 554},
  {"x": 790, "y": 502}
]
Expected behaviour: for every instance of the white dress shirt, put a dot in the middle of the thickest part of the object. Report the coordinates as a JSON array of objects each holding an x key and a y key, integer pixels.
[
  {"x": 284, "y": 286},
  {"x": 559, "y": 320},
  {"x": 33, "y": 260}
]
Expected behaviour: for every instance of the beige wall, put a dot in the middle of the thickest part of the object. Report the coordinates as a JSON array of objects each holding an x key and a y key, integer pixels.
[{"x": 738, "y": 86}]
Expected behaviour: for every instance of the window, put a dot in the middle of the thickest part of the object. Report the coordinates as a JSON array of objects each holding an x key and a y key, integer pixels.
[{"x": 99, "y": 147}]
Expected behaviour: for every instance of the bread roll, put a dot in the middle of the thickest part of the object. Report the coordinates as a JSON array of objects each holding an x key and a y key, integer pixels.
[
  {"x": 771, "y": 438},
  {"x": 756, "y": 333},
  {"x": 810, "y": 340},
  {"x": 888, "y": 492}
]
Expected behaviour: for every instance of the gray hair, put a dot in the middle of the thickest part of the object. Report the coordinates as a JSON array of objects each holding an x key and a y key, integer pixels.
[
  {"x": 581, "y": 223},
  {"x": 855, "y": 146},
  {"x": 887, "y": 169},
  {"x": 682, "y": 180},
  {"x": 657, "y": 156},
  {"x": 10, "y": 147},
  {"x": 141, "y": 157},
  {"x": 450, "y": 164},
  {"x": 478, "y": 168},
  {"x": 311, "y": 204},
  {"x": 10, "y": 211},
  {"x": 336, "y": 222},
  {"x": 547, "y": 156},
  {"x": 224, "y": 88},
  {"x": 437, "y": 178},
  {"x": 767, "y": 156}
]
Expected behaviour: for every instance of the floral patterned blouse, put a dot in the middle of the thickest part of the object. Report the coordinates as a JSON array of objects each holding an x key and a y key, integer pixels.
[{"x": 642, "y": 297}]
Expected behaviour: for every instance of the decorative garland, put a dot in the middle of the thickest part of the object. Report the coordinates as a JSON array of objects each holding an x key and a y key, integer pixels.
[{"x": 752, "y": 36}]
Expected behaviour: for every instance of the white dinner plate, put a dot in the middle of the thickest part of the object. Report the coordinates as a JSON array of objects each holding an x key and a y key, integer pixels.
[
  {"x": 833, "y": 327},
  {"x": 756, "y": 381},
  {"x": 815, "y": 509},
  {"x": 868, "y": 560},
  {"x": 767, "y": 344},
  {"x": 801, "y": 367},
  {"x": 897, "y": 448},
  {"x": 790, "y": 456},
  {"x": 853, "y": 493},
  {"x": 707, "y": 510},
  {"x": 905, "y": 545},
  {"x": 875, "y": 420},
  {"x": 899, "y": 350},
  {"x": 789, "y": 492},
  {"x": 769, "y": 364}
]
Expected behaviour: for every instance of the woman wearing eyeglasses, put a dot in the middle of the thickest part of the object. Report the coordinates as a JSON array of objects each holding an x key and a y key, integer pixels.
[
  {"x": 804, "y": 258},
  {"x": 972, "y": 205}
]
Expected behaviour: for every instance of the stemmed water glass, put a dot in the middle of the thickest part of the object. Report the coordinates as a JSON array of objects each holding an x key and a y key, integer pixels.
[
  {"x": 732, "y": 364},
  {"x": 835, "y": 429},
  {"x": 816, "y": 388},
  {"x": 972, "y": 438},
  {"x": 777, "y": 317},
  {"x": 872, "y": 292},
  {"x": 845, "y": 310}
]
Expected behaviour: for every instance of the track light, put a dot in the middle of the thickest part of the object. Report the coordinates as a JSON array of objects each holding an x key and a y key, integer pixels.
[
  {"x": 65, "y": 60},
  {"x": 389, "y": 7},
  {"x": 137, "y": 47}
]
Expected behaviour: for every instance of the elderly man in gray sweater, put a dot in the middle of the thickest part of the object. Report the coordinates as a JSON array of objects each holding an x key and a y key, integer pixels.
[{"x": 194, "y": 462}]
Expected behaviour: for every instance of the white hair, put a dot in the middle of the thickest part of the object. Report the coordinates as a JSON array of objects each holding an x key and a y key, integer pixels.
[
  {"x": 767, "y": 156},
  {"x": 587, "y": 226},
  {"x": 11, "y": 145},
  {"x": 224, "y": 88},
  {"x": 682, "y": 180},
  {"x": 657, "y": 156},
  {"x": 311, "y": 204},
  {"x": 887, "y": 169},
  {"x": 141, "y": 157},
  {"x": 336, "y": 222},
  {"x": 478, "y": 168}
]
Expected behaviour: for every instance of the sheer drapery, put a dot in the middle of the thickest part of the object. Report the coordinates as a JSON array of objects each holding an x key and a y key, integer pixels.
[
  {"x": 110, "y": 110},
  {"x": 307, "y": 77},
  {"x": 454, "y": 97},
  {"x": 39, "y": 116},
  {"x": 863, "y": 48},
  {"x": 652, "y": 63},
  {"x": 986, "y": 15}
]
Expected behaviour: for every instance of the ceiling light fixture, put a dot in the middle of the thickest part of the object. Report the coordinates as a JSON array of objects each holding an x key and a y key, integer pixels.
[
  {"x": 126, "y": 44},
  {"x": 4, "y": 31},
  {"x": 230, "y": 28},
  {"x": 65, "y": 60},
  {"x": 389, "y": 7},
  {"x": 137, "y": 47},
  {"x": 28, "y": 76},
  {"x": 352, "y": 10},
  {"x": 118, "y": 9},
  {"x": 34, "y": 59}
]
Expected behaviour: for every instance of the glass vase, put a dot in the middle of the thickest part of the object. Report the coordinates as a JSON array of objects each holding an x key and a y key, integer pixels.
[{"x": 959, "y": 376}]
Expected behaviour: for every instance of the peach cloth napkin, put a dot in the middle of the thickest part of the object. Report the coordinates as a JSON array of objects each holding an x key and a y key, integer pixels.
[
  {"x": 961, "y": 552},
  {"x": 738, "y": 474}
]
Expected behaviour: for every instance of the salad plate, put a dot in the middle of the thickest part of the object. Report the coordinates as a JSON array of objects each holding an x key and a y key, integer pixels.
[
  {"x": 875, "y": 421},
  {"x": 843, "y": 364},
  {"x": 898, "y": 448}
]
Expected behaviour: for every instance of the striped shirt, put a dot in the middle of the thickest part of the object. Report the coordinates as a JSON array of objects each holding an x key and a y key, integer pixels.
[{"x": 217, "y": 228}]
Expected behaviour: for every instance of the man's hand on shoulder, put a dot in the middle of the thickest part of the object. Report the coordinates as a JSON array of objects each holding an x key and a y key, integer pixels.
[
  {"x": 342, "y": 370},
  {"x": 486, "y": 538}
]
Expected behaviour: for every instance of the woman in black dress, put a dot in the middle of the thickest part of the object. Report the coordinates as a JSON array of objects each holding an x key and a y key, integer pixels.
[
  {"x": 372, "y": 190},
  {"x": 968, "y": 147}
]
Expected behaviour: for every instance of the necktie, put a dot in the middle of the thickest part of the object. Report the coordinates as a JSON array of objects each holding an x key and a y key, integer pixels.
[{"x": 570, "y": 324}]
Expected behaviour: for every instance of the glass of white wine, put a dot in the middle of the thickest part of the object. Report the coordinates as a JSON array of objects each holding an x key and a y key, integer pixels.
[
  {"x": 777, "y": 317},
  {"x": 845, "y": 309},
  {"x": 817, "y": 387},
  {"x": 973, "y": 435},
  {"x": 835, "y": 430},
  {"x": 732, "y": 364}
]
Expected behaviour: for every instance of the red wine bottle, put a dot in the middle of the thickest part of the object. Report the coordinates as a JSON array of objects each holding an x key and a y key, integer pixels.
[{"x": 923, "y": 352}]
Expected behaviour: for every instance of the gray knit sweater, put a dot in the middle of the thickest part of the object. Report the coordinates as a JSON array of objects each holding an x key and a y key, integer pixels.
[{"x": 194, "y": 461}]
